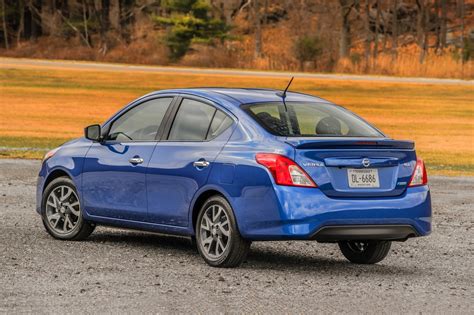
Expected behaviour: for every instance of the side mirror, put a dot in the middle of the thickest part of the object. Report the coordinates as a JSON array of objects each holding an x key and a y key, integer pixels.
[{"x": 92, "y": 132}]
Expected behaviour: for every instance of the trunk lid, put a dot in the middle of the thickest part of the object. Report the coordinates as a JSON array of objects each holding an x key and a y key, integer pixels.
[{"x": 343, "y": 167}]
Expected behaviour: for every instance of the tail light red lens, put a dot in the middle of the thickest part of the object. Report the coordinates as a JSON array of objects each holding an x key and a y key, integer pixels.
[
  {"x": 284, "y": 170},
  {"x": 419, "y": 177}
]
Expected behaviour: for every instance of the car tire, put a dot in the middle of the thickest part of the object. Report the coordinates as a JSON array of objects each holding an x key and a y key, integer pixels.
[
  {"x": 215, "y": 220},
  {"x": 365, "y": 252},
  {"x": 61, "y": 211}
]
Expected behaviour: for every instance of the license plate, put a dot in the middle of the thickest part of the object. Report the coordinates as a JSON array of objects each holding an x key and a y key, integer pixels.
[{"x": 363, "y": 178}]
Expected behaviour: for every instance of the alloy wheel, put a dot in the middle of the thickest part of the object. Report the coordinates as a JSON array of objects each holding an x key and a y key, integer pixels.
[
  {"x": 214, "y": 232},
  {"x": 62, "y": 209},
  {"x": 358, "y": 247}
]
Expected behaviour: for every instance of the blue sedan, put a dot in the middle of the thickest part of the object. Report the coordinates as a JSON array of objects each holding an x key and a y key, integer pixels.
[{"x": 230, "y": 166}]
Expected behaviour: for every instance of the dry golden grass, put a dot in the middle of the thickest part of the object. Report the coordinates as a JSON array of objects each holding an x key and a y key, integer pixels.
[
  {"x": 407, "y": 64},
  {"x": 43, "y": 108}
]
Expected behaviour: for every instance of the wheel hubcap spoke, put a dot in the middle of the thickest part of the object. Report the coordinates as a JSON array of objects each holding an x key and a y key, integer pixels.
[
  {"x": 206, "y": 223},
  {"x": 55, "y": 199},
  {"x": 73, "y": 210},
  {"x": 217, "y": 212},
  {"x": 55, "y": 217},
  {"x": 224, "y": 228},
  {"x": 65, "y": 196}
]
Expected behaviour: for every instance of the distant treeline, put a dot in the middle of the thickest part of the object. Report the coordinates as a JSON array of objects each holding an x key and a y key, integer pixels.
[{"x": 307, "y": 34}]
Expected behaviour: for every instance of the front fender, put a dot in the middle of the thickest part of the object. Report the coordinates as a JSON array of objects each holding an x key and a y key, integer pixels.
[{"x": 68, "y": 160}]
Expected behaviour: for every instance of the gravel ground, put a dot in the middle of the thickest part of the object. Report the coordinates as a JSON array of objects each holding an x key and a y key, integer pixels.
[{"x": 128, "y": 271}]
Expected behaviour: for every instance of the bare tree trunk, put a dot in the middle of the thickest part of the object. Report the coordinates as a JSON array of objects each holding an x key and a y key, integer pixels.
[
  {"x": 50, "y": 23},
  {"x": 367, "y": 33},
  {"x": 21, "y": 23},
  {"x": 421, "y": 28},
  {"x": 258, "y": 29},
  {"x": 65, "y": 8},
  {"x": 438, "y": 25},
  {"x": 459, "y": 7},
  {"x": 384, "y": 29},
  {"x": 345, "y": 39},
  {"x": 394, "y": 29},
  {"x": 85, "y": 23},
  {"x": 4, "y": 26},
  {"x": 265, "y": 13},
  {"x": 462, "y": 14},
  {"x": 126, "y": 19},
  {"x": 35, "y": 7},
  {"x": 419, "y": 21},
  {"x": 114, "y": 14},
  {"x": 444, "y": 21},
  {"x": 102, "y": 13},
  {"x": 377, "y": 28}
]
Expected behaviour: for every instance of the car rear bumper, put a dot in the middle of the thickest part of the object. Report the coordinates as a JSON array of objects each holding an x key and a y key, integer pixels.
[{"x": 307, "y": 213}]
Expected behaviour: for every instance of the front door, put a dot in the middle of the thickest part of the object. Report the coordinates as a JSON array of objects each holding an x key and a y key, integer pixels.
[
  {"x": 114, "y": 176},
  {"x": 181, "y": 163}
]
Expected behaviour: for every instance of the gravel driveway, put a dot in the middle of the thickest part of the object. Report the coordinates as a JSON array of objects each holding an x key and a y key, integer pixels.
[{"x": 127, "y": 271}]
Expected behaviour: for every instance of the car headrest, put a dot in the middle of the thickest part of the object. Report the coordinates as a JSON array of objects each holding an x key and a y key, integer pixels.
[{"x": 328, "y": 126}]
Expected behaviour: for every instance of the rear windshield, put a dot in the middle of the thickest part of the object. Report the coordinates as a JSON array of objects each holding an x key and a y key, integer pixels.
[{"x": 309, "y": 120}]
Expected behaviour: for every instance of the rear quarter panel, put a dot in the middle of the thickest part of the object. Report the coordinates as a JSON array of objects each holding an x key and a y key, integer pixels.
[{"x": 247, "y": 185}]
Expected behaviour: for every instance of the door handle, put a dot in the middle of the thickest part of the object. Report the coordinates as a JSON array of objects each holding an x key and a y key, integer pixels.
[
  {"x": 136, "y": 160},
  {"x": 201, "y": 163}
]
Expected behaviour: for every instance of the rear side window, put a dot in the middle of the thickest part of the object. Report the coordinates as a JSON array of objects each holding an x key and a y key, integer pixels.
[
  {"x": 219, "y": 124},
  {"x": 197, "y": 121},
  {"x": 141, "y": 123},
  {"x": 309, "y": 120}
]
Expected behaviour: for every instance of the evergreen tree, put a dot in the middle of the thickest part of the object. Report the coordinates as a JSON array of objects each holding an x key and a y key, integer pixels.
[{"x": 190, "y": 21}]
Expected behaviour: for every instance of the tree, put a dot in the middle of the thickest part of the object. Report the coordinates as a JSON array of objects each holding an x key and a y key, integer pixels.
[
  {"x": 258, "y": 28},
  {"x": 34, "y": 19},
  {"x": 21, "y": 22},
  {"x": 190, "y": 22},
  {"x": 345, "y": 37},
  {"x": 377, "y": 30},
  {"x": 394, "y": 28},
  {"x": 4, "y": 25},
  {"x": 444, "y": 22},
  {"x": 422, "y": 20},
  {"x": 461, "y": 14},
  {"x": 307, "y": 48},
  {"x": 114, "y": 14},
  {"x": 368, "y": 33},
  {"x": 102, "y": 15}
]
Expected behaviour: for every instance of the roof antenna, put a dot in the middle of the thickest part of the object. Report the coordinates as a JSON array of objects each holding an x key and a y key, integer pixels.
[{"x": 283, "y": 94}]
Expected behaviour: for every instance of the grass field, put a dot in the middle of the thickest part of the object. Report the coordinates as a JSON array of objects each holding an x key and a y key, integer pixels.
[{"x": 42, "y": 108}]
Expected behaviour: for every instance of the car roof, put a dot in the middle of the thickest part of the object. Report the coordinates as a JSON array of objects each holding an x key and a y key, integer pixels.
[{"x": 239, "y": 96}]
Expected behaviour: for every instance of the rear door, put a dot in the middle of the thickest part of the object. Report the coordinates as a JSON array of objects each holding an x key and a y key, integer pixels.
[
  {"x": 183, "y": 159},
  {"x": 114, "y": 176}
]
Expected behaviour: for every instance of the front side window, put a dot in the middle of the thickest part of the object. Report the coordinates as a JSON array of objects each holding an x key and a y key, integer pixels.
[
  {"x": 309, "y": 120},
  {"x": 197, "y": 121},
  {"x": 140, "y": 123}
]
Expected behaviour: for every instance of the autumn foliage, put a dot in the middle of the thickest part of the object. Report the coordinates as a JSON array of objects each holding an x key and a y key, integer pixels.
[{"x": 429, "y": 38}]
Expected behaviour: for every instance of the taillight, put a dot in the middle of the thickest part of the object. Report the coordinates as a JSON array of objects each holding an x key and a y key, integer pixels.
[
  {"x": 284, "y": 170},
  {"x": 419, "y": 177}
]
